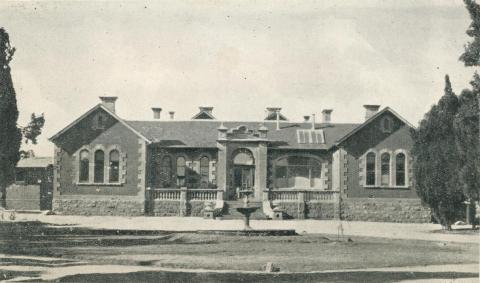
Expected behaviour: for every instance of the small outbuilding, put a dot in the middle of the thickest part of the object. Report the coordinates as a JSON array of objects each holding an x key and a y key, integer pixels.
[{"x": 32, "y": 189}]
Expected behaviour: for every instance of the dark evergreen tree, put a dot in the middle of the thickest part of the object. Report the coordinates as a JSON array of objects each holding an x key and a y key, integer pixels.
[
  {"x": 34, "y": 128},
  {"x": 467, "y": 138},
  {"x": 471, "y": 56},
  {"x": 466, "y": 123},
  {"x": 10, "y": 134},
  {"x": 436, "y": 160}
]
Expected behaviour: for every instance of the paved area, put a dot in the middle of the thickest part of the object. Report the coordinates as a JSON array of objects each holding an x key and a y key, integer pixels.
[{"x": 357, "y": 228}]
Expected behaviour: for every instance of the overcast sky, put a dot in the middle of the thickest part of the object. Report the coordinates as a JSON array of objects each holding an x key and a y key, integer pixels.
[{"x": 237, "y": 56}]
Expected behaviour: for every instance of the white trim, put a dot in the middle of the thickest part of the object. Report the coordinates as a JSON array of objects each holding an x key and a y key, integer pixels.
[
  {"x": 91, "y": 162},
  {"x": 370, "y": 120},
  {"x": 382, "y": 125},
  {"x": 365, "y": 168},
  {"x": 393, "y": 170},
  {"x": 53, "y": 138},
  {"x": 302, "y": 154},
  {"x": 390, "y": 171},
  {"x": 406, "y": 169}
]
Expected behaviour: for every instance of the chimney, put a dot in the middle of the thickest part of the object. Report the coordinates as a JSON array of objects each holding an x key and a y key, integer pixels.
[
  {"x": 272, "y": 110},
  {"x": 371, "y": 109},
  {"x": 313, "y": 121},
  {"x": 109, "y": 102},
  {"x": 306, "y": 118},
  {"x": 327, "y": 115},
  {"x": 206, "y": 109},
  {"x": 156, "y": 112},
  {"x": 276, "y": 111},
  {"x": 222, "y": 132},
  {"x": 172, "y": 115}
]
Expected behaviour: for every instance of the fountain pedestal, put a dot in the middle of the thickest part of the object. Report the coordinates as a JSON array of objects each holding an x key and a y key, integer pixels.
[{"x": 246, "y": 210}]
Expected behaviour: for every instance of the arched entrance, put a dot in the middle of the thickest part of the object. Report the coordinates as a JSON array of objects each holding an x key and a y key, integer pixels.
[{"x": 242, "y": 172}]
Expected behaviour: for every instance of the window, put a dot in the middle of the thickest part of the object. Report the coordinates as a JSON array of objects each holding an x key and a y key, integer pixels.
[
  {"x": 98, "y": 174},
  {"x": 310, "y": 136},
  {"x": 114, "y": 166},
  {"x": 387, "y": 125},
  {"x": 20, "y": 175},
  {"x": 181, "y": 171},
  {"x": 165, "y": 174},
  {"x": 84, "y": 166},
  {"x": 400, "y": 169},
  {"x": 99, "y": 121},
  {"x": 243, "y": 157},
  {"x": 204, "y": 172},
  {"x": 298, "y": 172},
  {"x": 385, "y": 169},
  {"x": 370, "y": 181}
]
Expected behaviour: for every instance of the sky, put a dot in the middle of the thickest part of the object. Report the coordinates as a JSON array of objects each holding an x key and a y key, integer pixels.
[{"x": 237, "y": 56}]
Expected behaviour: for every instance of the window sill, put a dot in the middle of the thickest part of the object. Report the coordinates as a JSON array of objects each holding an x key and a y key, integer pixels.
[
  {"x": 99, "y": 184},
  {"x": 387, "y": 187}
]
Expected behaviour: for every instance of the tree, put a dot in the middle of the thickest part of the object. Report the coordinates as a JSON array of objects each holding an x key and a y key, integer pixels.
[
  {"x": 34, "y": 128},
  {"x": 471, "y": 55},
  {"x": 436, "y": 160},
  {"x": 10, "y": 134},
  {"x": 466, "y": 127},
  {"x": 467, "y": 120}
]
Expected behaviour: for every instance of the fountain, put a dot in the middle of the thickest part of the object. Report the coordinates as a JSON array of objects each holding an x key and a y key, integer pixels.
[{"x": 247, "y": 210}]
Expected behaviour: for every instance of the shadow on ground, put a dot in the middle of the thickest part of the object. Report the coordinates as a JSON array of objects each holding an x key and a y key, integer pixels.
[{"x": 360, "y": 276}]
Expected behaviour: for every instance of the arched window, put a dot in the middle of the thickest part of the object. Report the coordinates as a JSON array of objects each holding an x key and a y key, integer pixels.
[
  {"x": 298, "y": 172},
  {"x": 385, "y": 169},
  {"x": 243, "y": 157},
  {"x": 165, "y": 174},
  {"x": 181, "y": 171},
  {"x": 400, "y": 169},
  {"x": 114, "y": 166},
  {"x": 204, "y": 171},
  {"x": 98, "y": 170},
  {"x": 370, "y": 181},
  {"x": 84, "y": 166}
]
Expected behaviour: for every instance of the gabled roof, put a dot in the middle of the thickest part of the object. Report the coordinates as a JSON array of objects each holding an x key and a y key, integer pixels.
[
  {"x": 198, "y": 133},
  {"x": 98, "y": 106},
  {"x": 203, "y": 133},
  {"x": 35, "y": 162},
  {"x": 204, "y": 114},
  {"x": 373, "y": 118}
]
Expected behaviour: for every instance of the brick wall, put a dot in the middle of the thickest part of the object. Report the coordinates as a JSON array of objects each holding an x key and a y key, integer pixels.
[
  {"x": 176, "y": 208},
  {"x": 88, "y": 206},
  {"x": 166, "y": 208},
  {"x": 385, "y": 210},
  {"x": 311, "y": 210}
]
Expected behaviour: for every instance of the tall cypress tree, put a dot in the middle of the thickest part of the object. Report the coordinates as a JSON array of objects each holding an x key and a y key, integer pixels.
[
  {"x": 467, "y": 120},
  {"x": 10, "y": 134},
  {"x": 436, "y": 159},
  {"x": 467, "y": 137},
  {"x": 471, "y": 55}
]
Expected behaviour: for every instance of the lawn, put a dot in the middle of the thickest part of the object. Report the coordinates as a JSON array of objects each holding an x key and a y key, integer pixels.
[{"x": 309, "y": 252}]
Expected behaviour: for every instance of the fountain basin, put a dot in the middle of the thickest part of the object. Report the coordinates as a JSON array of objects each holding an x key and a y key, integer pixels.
[{"x": 247, "y": 210}]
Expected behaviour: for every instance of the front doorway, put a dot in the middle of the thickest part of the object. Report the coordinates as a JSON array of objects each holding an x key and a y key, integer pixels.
[
  {"x": 243, "y": 178},
  {"x": 242, "y": 173}
]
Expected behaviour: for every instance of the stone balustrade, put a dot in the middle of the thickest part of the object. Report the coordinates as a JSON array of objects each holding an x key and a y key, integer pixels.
[
  {"x": 186, "y": 194},
  {"x": 292, "y": 195},
  {"x": 305, "y": 203}
]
